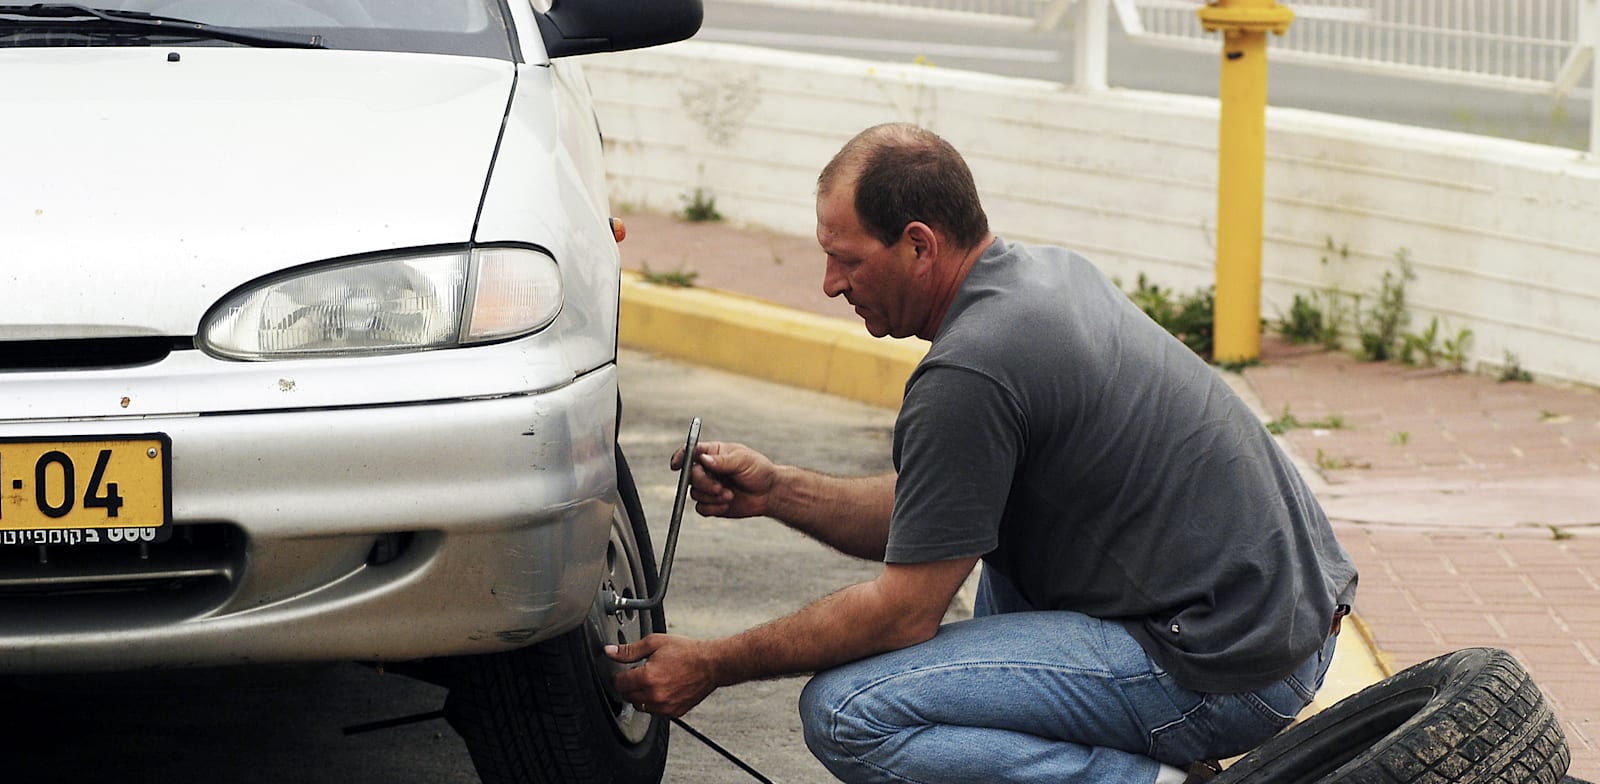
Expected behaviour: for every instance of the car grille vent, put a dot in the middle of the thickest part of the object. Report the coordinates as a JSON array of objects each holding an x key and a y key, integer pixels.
[
  {"x": 87, "y": 353},
  {"x": 193, "y": 569}
]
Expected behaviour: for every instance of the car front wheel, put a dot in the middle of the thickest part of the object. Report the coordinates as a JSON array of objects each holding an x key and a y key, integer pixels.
[{"x": 548, "y": 713}]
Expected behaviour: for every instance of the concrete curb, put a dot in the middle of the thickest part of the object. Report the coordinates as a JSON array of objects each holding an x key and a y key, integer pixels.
[{"x": 753, "y": 337}]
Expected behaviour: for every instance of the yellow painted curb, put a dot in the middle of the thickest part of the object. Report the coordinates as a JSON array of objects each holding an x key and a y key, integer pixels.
[
  {"x": 756, "y": 338},
  {"x": 1356, "y": 665}
]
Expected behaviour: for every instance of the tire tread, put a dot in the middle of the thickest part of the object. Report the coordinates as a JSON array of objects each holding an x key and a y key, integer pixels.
[
  {"x": 529, "y": 716},
  {"x": 1487, "y": 723}
]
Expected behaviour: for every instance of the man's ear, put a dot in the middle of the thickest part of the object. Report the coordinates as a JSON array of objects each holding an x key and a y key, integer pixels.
[{"x": 924, "y": 241}]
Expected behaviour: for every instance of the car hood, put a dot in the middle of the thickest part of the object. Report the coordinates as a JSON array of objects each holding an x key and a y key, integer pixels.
[{"x": 143, "y": 184}]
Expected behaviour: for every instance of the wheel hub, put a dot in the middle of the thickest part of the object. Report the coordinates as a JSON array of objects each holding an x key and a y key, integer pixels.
[{"x": 624, "y": 577}]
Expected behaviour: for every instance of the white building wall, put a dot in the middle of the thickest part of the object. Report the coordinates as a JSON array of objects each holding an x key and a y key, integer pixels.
[{"x": 1504, "y": 235}]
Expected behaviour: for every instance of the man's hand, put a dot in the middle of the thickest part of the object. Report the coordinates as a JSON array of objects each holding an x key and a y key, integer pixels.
[
  {"x": 849, "y": 514},
  {"x": 675, "y": 678},
  {"x": 729, "y": 480}
]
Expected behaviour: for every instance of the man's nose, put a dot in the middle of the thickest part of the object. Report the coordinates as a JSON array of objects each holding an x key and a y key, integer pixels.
[{"x": 833, "y": 280}]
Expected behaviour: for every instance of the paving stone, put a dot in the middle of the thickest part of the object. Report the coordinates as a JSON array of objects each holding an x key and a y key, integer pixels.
[{"x": 1429, "y": 585}]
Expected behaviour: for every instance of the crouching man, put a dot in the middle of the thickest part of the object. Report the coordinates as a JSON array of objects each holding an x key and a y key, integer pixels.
[{"x": 1159, "y": 586}]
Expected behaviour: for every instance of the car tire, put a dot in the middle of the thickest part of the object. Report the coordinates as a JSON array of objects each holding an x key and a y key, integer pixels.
[
  {"x": 1469, "y": 716},
  {"x": 547, "y": 713}
]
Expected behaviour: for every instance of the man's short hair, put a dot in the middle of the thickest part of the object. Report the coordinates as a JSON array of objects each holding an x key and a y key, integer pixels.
[{"x": 903, "y": 173}]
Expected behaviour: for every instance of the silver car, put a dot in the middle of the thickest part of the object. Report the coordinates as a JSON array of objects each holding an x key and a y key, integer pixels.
[{"x": 308, "y": 319}]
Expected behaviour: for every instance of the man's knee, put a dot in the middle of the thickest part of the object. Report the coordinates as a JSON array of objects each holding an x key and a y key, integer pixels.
[
  {"x": 832, "y": 736},
  {"x": 819, "y": 710}
]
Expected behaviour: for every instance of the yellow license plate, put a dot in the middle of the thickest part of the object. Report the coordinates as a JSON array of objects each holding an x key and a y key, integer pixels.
[{"x": 85, "y": 490}]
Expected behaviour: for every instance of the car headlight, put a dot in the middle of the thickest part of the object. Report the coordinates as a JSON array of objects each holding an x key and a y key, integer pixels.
[{"x": 412, "y": 303}]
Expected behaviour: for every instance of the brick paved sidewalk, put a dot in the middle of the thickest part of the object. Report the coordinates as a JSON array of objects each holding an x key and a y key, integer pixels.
[{"x": 1471, "y": 507}]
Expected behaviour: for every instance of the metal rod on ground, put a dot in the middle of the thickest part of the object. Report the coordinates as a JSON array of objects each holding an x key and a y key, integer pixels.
[
  {"x": 728, "y": 755},
  {"x": 415, "y": 718}
]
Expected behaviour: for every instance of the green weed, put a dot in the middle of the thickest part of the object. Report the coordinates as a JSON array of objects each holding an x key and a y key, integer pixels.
[
  {"x": 700, "y": 207},
  {"x": 1511, "y": 370},
  {"x": 1328, "y": 463},
  {"x": 1303, "y": 323},
  {"x": 1456, "y": 348},
  {"x": 1188, "y": 317},
  {"x": 1288, "y": 421},
  {"x": 679, "y": 278},
  {"x": 1380, "y": 328}
]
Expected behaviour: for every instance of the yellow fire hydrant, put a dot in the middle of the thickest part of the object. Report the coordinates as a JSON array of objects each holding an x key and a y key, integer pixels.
[{"x": 1241, "y": 168}]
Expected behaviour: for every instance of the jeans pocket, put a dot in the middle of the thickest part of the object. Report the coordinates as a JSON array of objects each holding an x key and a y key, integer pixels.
[
  {"x": 1307, "y": 679},
  {"x": 1300, "y": 689},
  {"x": 1183, "y": 740},
  {"x": 1245, "y": 721},
  {"x": 1226, "y": 725},
  {"x": 1274, "y": 709}
]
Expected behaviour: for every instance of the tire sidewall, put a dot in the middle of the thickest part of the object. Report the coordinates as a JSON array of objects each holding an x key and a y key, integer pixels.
[
  {"x": 649, "y": 754},
  {"x": 1359, "y": 738},
  {"x": 542, "y": 714}
]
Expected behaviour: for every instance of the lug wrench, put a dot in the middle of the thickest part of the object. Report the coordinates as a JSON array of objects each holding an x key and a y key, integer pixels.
[{"x": 613, "y": 602}]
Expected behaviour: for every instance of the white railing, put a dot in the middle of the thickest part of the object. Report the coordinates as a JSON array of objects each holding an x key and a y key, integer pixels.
[
  {"x": 1018, "y": 11},
  {"x": 1544, "y": 46},
  {"x": 1513, "y": 44}
]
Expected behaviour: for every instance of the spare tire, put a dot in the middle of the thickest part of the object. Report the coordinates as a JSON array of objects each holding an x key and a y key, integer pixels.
[{"x": 1469, "y": 716}]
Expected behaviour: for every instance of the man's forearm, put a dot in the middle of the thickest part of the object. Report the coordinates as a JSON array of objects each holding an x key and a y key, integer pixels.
[
  {"x": 850, "y": 514},
  {"x": 837, "y": 629},
  {"x": 902, "y": 607}
]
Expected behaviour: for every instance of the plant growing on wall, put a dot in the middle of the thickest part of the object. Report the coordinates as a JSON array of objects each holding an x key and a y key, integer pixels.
[
  {"x": 700, "y": 207},
  {"x": 1511, "y": 369},
  {"x": 1381, "y": 327},
  {"x": 1456, "y": 348},
  {"x": 1317, "y": 317},
  {"x": 1421, "y": 348},
  {"x": 1303, "y": 323},
  {"x": 1431, "y": 346},
  {"x": 1320, "y": 317},
  {"x": 1188, "y": 317}
]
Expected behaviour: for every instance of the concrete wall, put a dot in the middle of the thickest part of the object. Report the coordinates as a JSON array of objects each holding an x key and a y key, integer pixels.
[{"x": 1504, "y": 236}]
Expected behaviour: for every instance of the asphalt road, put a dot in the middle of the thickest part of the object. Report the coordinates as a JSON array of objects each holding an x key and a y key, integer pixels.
[
  {"x": 733, "y": 574},
  {"x": 1138, "y": 65},
  {"x": 283, "y": 724}
]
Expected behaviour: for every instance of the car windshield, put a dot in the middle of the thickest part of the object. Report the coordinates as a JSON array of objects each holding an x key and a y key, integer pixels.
[{"x": 465, "y": 27}]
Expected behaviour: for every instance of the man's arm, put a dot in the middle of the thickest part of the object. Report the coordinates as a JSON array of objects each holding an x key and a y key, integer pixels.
[
  {"x": 901, "y": 608},
  {"x": 850, "y": 514}
]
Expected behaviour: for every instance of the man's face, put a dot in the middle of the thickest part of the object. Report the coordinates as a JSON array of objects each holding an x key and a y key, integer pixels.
[{"x": 876, "y": 278}]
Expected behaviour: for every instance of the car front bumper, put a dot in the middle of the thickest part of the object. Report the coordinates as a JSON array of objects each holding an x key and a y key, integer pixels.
[{"x": 376, "y": 532}]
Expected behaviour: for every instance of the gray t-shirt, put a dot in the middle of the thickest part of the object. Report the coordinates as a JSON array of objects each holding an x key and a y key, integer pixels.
[{"x": 1057, "y": 431}]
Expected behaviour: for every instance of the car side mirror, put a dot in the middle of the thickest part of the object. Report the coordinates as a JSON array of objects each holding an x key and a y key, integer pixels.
[{"x": 588, "y": 26}]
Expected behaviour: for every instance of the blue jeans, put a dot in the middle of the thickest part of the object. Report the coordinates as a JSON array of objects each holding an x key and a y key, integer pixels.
[{"x": 1020, "y": 695}]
